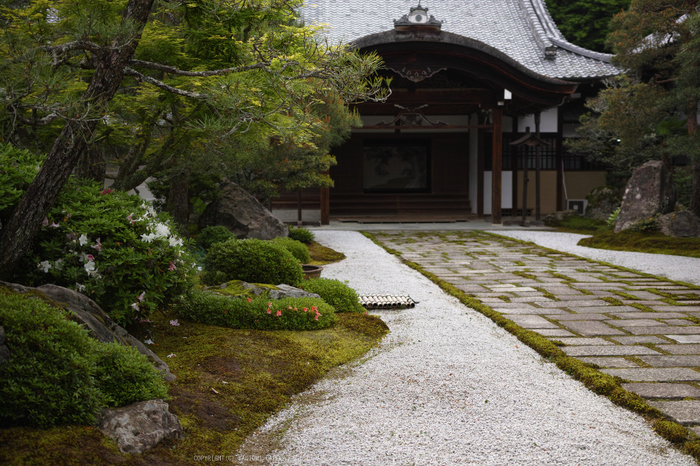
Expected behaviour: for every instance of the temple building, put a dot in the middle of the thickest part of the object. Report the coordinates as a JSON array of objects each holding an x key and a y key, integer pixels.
[{"x": 482, "y": 96}]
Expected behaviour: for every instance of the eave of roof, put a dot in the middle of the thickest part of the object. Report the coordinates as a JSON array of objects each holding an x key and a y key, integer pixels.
[{"x": 520, "y": 29}]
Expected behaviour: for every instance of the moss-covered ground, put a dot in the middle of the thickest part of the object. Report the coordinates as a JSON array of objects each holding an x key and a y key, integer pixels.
[{"x": 228, "y": 383}]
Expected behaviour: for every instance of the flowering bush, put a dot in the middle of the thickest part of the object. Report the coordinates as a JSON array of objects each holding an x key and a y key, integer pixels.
[
  {"x": 257, "y": 313},
  {"x": 112, "y": 247}
]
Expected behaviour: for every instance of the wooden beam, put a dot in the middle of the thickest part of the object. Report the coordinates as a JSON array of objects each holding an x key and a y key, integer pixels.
[{"x": 496, "y": 186}]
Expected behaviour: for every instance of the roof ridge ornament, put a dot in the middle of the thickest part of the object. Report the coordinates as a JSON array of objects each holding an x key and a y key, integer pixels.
[{"x": 418, "y": 16}]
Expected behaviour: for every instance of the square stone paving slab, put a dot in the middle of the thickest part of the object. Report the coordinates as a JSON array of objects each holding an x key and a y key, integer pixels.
[
  {"x": 614, "y": 350},
  {"x": 577, "y": 317},
  {"x": 634, "y": 322},
  {"x": 655, "y": 375},
  {"x": 553, "y": 332},
  {"x": 686, "y": 412},
  {"x": 662, "y": 390},
  {"x": 579, "y": 341},
  {"x": 640, "y": 339},
  {"x": 589, "y": 329},
  {"x": 647, "y": 315},
  {"x": 677, "y": 322},
  {"x": 684, "y": 338},
  {"x": 681, "y": 349},
  {"x": 664, "y": 330},
  {"x": 574, "y": 305},
  {"x": 532, "y": 321},
  {"x": 524, "y": 309},
  {"x": 609, "y": 362},
  {"x": 598, "y": 309},
  {"x": 672, "y": 361}
]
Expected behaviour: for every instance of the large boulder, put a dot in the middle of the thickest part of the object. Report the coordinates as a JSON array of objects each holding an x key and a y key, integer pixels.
[
  {"x": 682, "y": 224},
  {"x": 242, "y": 214},
  {"x": 602, "y": 202},
  {"x": 91, "y": 316},
  {"x": 140, "y": 426},
  {"x": 649, "y": 192}
]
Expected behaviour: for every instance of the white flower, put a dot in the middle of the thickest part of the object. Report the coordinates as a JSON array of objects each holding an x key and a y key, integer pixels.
[
  {"x": 175, "y": 242},
  {"x": 58, "y": 264},
  {"x": 162, "y": 230},
  {"x": 148, "y": 237},
  {"x": 171, "y": 355},
  {"x": 83, "y": 240},
  {"x": 148, "y": 342},
  {"x": 90, "y": 268},
  {"x": 44, "y": 266},
  {"x": 79, "y": 287}
]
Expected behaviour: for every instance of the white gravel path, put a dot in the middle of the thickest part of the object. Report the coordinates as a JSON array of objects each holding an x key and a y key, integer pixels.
[
  {"x": 448, "y": 387},
  {"x": 679, "y": 268}
]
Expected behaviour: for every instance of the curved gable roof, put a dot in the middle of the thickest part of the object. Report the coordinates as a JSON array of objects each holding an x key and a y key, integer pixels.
[{"x": 520, "y": 29}]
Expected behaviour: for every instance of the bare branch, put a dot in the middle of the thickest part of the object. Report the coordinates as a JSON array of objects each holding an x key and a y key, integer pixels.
[
  {"x": 160, "y": 84},
  {"x": 179, "y": 72}
]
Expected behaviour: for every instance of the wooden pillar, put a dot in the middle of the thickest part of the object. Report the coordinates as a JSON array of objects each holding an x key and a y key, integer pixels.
[
  {"x": 497, "y": 165},
  {"x": 537, "y": 167},
  {"x": 559, "y": 158},
  {"x": 325, "y": 206},
  {"x": 480, "y": 177},
  {"x": 299, "y": 208}
]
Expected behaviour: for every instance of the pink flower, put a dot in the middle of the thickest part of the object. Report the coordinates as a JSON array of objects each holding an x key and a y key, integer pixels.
[
  {"x": 250, "y": 300},
  {"x": 135, "y": 306},
  {"x": 131, "y": 218},
  {"x": 269, "y": 304},
  {"x": 313, "y": 308},
  {"x": 306, "y": 309},
  {"x": 279, "y": 313},
  {"x": 98, "y": 244},
  {"x": 45, "y": 223},
  {"x": 141, "y": 296},
  {"x": 54, "y": 225},
  {"x": 269, "y": 311},
  {"x": 90, "y": 257},
  {"x": 172, "y": 267},
  {"x": 316, "y": 318},
  {"x": 175, "y": 323}
]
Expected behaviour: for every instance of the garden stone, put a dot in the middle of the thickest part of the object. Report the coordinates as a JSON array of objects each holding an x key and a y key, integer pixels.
[
  {"x": 242, "y": 214},
  {"x": 140, "y": 426},
  {"x": 649, "y": 192},
  {"x": 282, "y": 291},
  {"x": 4, "y": 351},
  {"x": 602, "y": 202},
  {"x": 99, "y": 325},
  {"x": 683, "y": 224},
  {"x": 556, "y": 218}
]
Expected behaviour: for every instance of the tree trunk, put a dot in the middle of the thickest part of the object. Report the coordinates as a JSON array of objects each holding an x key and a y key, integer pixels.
[
  {"x": 692, "y": 122},
  {"x": 179, "y": 200},
  {"x": 73, "y": 141}
]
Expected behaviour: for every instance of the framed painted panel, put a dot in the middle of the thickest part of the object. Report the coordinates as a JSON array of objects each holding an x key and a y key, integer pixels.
[{"x": 396, "y": 166}]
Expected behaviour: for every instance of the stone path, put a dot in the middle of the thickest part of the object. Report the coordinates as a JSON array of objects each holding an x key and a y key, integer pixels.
[{"x": 641, "y": 328}]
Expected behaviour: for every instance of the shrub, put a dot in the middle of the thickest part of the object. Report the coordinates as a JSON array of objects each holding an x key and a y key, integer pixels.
[
  {"x": 113, "y": 248},
  {"x": 256, "y": 313},
  {"x": 301, "y": 234},
  {"x": 645, "y": 225},
  {"x": 251, "y": 260},
  {"x": 213, "y": 235},
  {"x": 334, "y": 292},
  {"x": 57, "y": 374},
  {"x": 297, "y": 248},
  {"x": 17, "y": 170}
]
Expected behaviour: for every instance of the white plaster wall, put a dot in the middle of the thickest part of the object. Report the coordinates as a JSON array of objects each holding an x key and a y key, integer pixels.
[
  {"x": 548, "y": 121},
  {"x": 506, "y": 191}
]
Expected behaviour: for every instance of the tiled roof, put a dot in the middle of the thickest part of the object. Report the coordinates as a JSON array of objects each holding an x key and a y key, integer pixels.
[{"x": 521, "y": 29}]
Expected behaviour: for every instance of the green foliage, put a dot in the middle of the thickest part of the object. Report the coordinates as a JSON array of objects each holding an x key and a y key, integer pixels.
[
  {"x": 585, "y": 22},
  {"x": 213, "y": 235},
  {"x": 336, "y": 293},
  {"x": 645, "y": 225},
  {"x": 577, "y": 223},
  {"x": 57, "y": 374},
  {"x": 113, "y": 248},
  {"x": 301, "y": 234},
  {"x": 610, "y": 222},
  {"x": 654, "y": 242},
  {"x": 17, "y": 169},
  {"x": 125, "y": 376},
  {"x": 297, "y": 248},
  {"x": 251, "y": 260},
  {"x": 683, "y": 182},
  {"x": 256, "y": 313}
]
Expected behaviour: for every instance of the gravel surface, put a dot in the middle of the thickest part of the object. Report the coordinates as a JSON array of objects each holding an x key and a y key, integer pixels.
[
  {"x": 679, "y": 268},
  {"x": 446, "y": 387}
]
